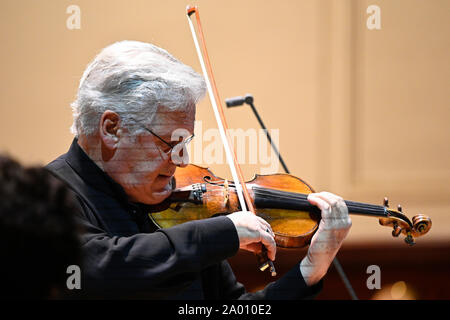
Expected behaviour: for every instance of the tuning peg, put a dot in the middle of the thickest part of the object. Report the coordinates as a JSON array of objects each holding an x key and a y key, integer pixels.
[
  {"x": 399, "y": 208},
  {"x": 397, "y": 230},
  {"x": 386, "y": 202},
  {"x": 409, "y": 239}
]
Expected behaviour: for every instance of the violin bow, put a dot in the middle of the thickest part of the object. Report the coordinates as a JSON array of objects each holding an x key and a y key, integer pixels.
[{"x": 236, "y": 172}]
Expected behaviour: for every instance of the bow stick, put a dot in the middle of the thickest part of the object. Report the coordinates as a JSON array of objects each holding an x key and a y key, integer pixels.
[{"x": 236, "y": 172}]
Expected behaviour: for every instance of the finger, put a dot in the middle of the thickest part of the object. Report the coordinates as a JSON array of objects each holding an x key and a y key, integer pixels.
[
  {"x": 326, "y": 193},
  {"x": 337, "y": 204},
  {"x": 264, "y": 222},
  {"x": 255, "y": 247},
  {"x": 266, "y": 226},
  {"x": 260, "y": 222},
  {"x": 330, "y": 198},
  {"x": 269, "y": 242},
  {"x": 314, "y": 199}
]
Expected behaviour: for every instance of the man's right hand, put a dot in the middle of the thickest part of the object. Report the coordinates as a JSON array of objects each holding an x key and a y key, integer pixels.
[{"x": 254, "y": 231}]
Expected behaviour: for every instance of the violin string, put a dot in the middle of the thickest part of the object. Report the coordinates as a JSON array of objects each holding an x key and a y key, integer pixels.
[
  {"x": 355, "y": 207},
  {"x": 359, "y": 207},
  {"x": 301, "y": 196},
  {"x": 302, "y": 200}
]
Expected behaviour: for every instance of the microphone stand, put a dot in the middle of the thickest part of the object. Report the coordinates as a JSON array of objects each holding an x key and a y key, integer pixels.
[{"x": 248, "y": 99}]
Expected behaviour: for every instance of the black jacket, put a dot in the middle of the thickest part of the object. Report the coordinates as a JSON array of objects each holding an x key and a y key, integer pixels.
[{"x": 126, "y": 256}]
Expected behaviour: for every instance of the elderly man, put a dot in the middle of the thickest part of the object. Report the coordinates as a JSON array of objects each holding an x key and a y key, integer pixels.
[{"x": 131, "y": 101}]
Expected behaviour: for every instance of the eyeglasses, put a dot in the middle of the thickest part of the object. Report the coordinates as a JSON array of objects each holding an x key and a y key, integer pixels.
[
  {"x": 177, "y": 150},
  {"x": 171, "y": 145}
]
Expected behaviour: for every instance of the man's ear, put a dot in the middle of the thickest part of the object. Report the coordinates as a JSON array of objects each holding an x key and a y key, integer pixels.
[{"x": 109, "y": 129}]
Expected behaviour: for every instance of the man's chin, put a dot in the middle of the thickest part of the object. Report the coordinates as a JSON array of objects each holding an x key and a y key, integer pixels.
[
  {"x": 159, "y": 196},
  {"x": 154, "y": 194}
]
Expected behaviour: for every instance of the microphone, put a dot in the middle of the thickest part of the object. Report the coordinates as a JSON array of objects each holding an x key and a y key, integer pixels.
[{"x": 238, "y": 101}]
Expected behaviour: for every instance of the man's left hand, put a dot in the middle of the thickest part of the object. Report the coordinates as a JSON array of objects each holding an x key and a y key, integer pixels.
[{"x": 333, "y": 228}]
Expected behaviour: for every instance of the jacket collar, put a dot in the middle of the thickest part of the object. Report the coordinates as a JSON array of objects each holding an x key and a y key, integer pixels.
[{"x": 92, "y": 174}]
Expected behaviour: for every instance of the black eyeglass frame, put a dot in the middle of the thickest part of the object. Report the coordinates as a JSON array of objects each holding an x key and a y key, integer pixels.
[{"x": 171, "y": 146}]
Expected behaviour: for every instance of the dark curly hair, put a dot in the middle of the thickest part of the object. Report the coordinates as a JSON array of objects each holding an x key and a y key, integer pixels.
[{"x": 38, "y": 232}]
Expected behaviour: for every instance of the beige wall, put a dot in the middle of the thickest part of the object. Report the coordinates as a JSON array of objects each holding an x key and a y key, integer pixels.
[{"x": 362, "y": 113}]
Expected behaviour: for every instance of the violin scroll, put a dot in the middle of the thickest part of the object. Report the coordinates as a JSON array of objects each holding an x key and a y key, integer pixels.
[{"x": 419, "y": 226}]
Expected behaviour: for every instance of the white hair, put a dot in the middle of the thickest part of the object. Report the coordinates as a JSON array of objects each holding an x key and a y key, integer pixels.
[{"x": 135, "y": 80}]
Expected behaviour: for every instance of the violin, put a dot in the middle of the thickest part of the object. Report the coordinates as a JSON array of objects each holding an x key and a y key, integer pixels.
[{"x": 280, "y": 199}]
